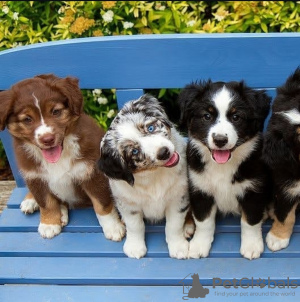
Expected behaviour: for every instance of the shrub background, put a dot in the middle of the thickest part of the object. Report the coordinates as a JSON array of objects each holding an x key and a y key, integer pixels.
[{"x": 28, "y": 22}]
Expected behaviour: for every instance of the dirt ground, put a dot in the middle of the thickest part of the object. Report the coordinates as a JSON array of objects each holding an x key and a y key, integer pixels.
[{"x": 7, "y": 184}]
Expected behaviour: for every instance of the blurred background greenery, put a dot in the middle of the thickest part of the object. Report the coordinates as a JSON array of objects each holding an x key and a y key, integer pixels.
[{"x": 29, "y": 22}]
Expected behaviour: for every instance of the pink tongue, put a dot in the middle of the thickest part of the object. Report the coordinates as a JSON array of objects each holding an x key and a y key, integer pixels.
[
  {"x": 173, "y": 160},
  {"x": 52, "y": 155},
  {"x": 221, "y": 156}
]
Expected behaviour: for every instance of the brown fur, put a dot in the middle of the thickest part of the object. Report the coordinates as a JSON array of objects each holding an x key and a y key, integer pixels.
[{"x": 61, "y": 104}]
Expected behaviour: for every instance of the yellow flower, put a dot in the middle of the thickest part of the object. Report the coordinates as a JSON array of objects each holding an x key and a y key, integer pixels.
[
  {"x": 81, "y": 24},
  {"x": 97, "y": 33},
  {"x": 207, "y": 26},
  {"x": 108, "y": 4},
  {"x": 69, "y": 17}
]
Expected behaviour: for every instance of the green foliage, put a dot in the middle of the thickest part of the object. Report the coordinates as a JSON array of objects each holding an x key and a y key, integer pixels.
[{"x": 28, "y": 22}]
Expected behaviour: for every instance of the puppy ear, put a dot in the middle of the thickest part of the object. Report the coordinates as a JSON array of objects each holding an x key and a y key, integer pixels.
[
  {"x": 5, "y": 108},
  {"x": 113, "y": 167},
  {"x": 276, "y": 151},
  {"x": 186, "y": 98},
  {"x": 260, "y": 103},
  {"x": 70, "y": 88}
]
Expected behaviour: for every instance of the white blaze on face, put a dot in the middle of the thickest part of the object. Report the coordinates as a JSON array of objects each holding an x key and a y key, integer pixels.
[
  {"x": 43, "y": 128},
  {"x": 292, "y": 115},
  {"x": 222, "y": 100}
]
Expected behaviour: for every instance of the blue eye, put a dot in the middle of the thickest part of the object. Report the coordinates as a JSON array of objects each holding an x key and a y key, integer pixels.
[
  {"x": 151, "y": 128},
  {"x": 135, "y": 151}
]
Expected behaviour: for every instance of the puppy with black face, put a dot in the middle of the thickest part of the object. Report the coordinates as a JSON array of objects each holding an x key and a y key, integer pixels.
[
  {"x": 225, "y": 169},
  {"x": 282, "y": 154},
  {"x": 144, "y": 158}
]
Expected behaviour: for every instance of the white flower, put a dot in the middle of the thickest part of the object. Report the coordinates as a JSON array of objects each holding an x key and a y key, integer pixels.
[
  {"x": 16, "y": 44},
  {"x": 15, "y": 16},
  {"x": 5, "y": 9},
  {"x": 97, "y": 91},
  {"x": 102, "y": 100},
  {"x": 110, "y": 113},
  {"x": 108, "y": 16},
  {"x": 158, "y": 6},
  {"x": 61, "y": 10},
  {"x": 128, "y": 25},
  {"x": 191, "y": 23}
]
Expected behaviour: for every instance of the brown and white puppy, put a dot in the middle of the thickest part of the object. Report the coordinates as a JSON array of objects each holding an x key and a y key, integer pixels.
[{"x": 56, "y": 147}]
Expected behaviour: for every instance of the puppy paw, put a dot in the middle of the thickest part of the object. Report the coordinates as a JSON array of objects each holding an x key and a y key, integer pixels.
[
  {"x": 49, "y": 230},
  {"x": 113, "y": 228},
  {"x": 275, "y": 243},
  {"x": 64, "y": 215},
  {"x": 29, "y": 205},
  {"x": 251, "y": 248},
  {"x": 188, "y": 230},
  {"x": 135, "y": 249},
  {"x": 199, "y": 248},
  {"x": 115, "y": 232},
  {"x": 179, "y": 249}
]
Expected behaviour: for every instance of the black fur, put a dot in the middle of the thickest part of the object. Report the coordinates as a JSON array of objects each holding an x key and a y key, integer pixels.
[
  {"x": 252, "y": 107},
  {"x": 113, "y": 167},
  {"x": 117, "y": 160},
  {"x": 282, "y": 146}
]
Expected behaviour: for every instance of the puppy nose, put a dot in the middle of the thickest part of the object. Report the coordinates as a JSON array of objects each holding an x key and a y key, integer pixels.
[
  {"x": 220, "y": 140},
  {"x": 47, "y": 139},
  {"x": 163, "y": 153}
]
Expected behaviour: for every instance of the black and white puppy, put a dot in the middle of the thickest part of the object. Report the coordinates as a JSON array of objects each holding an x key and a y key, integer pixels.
[
  {"x": 225, "y": 169},
  {"x": 144, "y": 157},
  {"x": 282, "y": 153}
]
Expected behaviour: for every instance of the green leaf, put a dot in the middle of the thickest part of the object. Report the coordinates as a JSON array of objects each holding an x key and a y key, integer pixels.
[{"x": 264, "y": 27}]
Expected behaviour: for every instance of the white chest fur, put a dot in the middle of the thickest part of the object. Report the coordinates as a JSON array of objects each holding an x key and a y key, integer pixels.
[
  {"x": 152, "y": 191},
  {"x": 216, "y": 179},
  {"x": 62, "y": 175}
]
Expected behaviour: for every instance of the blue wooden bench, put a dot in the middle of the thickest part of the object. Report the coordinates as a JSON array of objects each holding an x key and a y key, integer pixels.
[{"x": 80, "y": 264}]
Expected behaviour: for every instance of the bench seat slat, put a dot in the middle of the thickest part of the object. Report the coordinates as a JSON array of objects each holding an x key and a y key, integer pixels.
[
  {"x": 46, "y": 293},
  {"x": 85, "y": 220},
  {"x": 225, "y": 245},
  {"x": 145, "y": 271}
]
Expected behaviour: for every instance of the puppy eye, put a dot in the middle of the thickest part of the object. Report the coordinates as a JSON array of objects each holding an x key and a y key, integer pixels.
[
  {"x": 27, "y": 120},
  {"x": 235, "y": 118},
  {"x": 56, "y": 112},
  {"x": 207, "y": 117},
  {"x": 151, "y": 128},
  {"x": 135, "y": 151}
]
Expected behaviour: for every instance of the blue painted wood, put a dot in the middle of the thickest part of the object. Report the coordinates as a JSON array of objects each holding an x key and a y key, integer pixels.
[
  {"x": 225, "y": 245},
  {"x": 16, "y": 197},
  {"x": 8, "y": 145},
  {"x": 154, "y": 61},
  {"x": 145, "y": 271},
  {"x": 125, "y": 95},
  {"x": 81, "y": 255},
  {"x": 84, "y": 220},
  {"x": 38, "y": 293}
]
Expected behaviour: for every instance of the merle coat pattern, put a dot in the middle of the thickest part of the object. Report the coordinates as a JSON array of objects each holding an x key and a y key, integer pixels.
[{"x": 144, "y": 157}]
